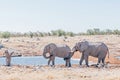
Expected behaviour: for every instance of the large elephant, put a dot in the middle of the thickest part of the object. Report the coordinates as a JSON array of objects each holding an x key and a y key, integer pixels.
[
  {"x": 95, "y": 49},
  {"x": 62, "y": 51}
]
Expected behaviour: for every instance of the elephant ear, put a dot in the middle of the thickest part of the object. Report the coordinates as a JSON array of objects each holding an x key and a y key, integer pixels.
[
  {"x": 83, "y": 46},
  {"x": 52, "y": 46}
]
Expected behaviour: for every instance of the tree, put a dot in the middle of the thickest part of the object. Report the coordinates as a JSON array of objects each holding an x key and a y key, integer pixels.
[
  {"x": 116, "y": 31},
  {"x": 96, "y": 31},
  {"x": 61, "y": 32},
  {"x": 31, "y": 34},
  {"x": 108, "y": 31},
  {"x": 54, "y": 33},
  {"x": 70, "y": 34},
  {"x": 90, "y": 32}
]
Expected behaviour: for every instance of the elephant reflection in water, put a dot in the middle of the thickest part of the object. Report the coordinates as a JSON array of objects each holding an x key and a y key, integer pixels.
[
  {"x": 62, "y": 51},
  {"x": 8, "y": 53}
]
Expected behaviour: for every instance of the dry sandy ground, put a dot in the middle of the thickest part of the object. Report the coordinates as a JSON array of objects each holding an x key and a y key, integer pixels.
[
  {"x": 59, "y": 73},
  {"x": 34, "y": 46}
]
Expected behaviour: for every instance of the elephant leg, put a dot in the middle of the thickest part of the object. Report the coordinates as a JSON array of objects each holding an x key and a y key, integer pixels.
[
  {"x": 86, "y": 60},
  {"x": 68, "y": 64},
  {"x": 49, "y": 61},
  {"x": 99, "y": 60},
  {"x": 53, "y": 60},
  {"x": 103, "y": 61},
  {"x": 82, "y": 58}
]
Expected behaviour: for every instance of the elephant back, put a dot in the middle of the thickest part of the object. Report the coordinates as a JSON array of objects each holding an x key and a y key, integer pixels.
[
  {"x": 62, "y": 51},
  {"x": 64, "y": 46}
]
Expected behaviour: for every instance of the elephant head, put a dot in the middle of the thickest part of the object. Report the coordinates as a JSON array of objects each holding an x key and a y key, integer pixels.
[
  {"x": 80, "y": 46},
  {"x": 48, "y": 49}
]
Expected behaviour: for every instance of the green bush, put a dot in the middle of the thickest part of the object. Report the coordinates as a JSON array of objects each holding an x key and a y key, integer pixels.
[
  {"x": 59, "y": 32},
  {"x": 5, "y": 34}
]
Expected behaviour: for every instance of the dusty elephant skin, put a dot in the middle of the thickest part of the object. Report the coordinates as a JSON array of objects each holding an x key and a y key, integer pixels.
[
  {"x": 62, "y": 51},
  {"x": 97, "y": 49}
]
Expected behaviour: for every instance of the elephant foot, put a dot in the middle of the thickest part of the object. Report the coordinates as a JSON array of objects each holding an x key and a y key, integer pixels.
[
  {"x": 100, "y": 66},
  {"x": 87, "y": 66},
  {"x": 7, "y": 65},
  {"x": 53, "y": 66},
  {"x": 68, "y": 66},
  {"x": 80, "y": 66},
  {"x": 66, "y": 58},
  {"x": 97, "y": 65}
]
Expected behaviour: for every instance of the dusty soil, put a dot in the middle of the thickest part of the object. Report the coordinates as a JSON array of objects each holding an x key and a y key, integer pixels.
[
  {"x": 34, "y": 46},
  {"x": 59, "y": 72}
]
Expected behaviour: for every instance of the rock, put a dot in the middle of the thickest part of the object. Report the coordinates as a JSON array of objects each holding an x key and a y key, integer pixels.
[{"x": 1, "y": 46}]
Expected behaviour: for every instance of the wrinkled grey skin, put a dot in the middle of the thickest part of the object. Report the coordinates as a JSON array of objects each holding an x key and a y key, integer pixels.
[
  {"x": 54, "y": 50},
  {"x": 98, "y": 50},
  {"x": 8, "y": 55}
]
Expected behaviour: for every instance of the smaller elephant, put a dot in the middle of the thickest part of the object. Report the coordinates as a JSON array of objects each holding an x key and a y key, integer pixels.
[
  {"x": 62, "y": 51},
  {"x": 8, "y": 54},
  {"x": 95, "y": 49}
]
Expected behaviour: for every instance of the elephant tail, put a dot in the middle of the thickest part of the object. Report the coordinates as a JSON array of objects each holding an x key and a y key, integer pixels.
[{"x": 65, "y": 58}]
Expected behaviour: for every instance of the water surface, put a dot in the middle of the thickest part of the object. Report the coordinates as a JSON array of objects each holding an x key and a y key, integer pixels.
[{"x": 34, "y": 60}]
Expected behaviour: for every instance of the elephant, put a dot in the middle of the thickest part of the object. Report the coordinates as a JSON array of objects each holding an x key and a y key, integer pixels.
[
  {"x": 8, "y": 53},
  {"x": 95, "y": 49},
  {"x": 62, "y": 51}
]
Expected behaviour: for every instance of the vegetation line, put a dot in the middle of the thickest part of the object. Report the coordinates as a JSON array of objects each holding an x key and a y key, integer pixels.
[{"x": 59, "y": 32}]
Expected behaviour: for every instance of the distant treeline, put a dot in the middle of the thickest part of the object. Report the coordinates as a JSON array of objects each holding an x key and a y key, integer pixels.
[{"x": 59, "y": 32}]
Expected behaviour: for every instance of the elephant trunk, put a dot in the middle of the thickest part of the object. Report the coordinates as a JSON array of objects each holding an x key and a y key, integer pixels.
[
  {"x": 71, "y": 54},
  {"x": 44, "y": 55}
]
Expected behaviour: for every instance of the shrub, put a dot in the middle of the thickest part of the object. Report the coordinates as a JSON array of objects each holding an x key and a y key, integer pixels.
[{"x": 5, "y": 34}]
